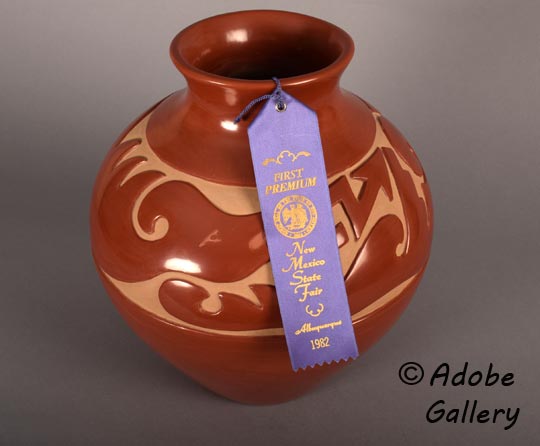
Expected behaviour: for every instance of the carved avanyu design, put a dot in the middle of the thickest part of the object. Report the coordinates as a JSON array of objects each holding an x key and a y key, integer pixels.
[{"x": 375, "y": 204}]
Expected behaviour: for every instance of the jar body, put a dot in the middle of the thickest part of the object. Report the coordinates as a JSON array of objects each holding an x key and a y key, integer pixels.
[{"x": 178, "y": 240}]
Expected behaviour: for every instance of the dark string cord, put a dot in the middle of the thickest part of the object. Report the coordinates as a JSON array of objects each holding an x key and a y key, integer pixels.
[{"x": 276, "y": 95}]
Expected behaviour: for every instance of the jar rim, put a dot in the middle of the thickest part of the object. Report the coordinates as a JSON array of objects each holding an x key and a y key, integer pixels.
[{"x": 239, "y": 25}]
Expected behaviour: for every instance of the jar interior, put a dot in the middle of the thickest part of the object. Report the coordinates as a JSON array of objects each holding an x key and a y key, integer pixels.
[
  {"x": 265, "y": 58},
  {"x": 286, "y": 47}
]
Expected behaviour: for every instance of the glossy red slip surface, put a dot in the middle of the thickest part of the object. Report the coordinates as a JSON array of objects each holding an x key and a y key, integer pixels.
[{"x": 176, "y": 229}]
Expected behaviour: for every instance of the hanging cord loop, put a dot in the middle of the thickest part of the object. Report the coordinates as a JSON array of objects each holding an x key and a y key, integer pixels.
[{"x": 276, "y": 95}]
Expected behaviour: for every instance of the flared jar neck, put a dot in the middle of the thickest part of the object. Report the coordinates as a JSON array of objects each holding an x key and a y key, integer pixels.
[{"x": 230, "y": 59}]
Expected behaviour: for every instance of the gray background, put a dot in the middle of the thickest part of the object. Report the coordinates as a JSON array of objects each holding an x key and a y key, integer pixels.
[{"x": 461, "y": 79}]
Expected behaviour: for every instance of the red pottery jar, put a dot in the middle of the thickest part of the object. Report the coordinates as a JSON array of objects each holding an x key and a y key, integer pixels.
[{"x": 176, "y": 229}]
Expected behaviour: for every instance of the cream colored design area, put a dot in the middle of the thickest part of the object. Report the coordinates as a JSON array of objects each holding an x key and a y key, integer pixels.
[
  {"x": 234, "y": 200},
  {"x": 212, "y": 304},
  {"x": 139, "y": 292},
  {"x": 239, "y": 200},
  {"x": 383, "y": 205}
]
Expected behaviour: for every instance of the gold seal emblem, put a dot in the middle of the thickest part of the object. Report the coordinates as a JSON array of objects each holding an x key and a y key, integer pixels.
[{"x": 295, "y": 216}]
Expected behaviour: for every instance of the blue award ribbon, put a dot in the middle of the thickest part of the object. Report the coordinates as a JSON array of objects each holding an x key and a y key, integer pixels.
[{"x": 300, "y": 231}]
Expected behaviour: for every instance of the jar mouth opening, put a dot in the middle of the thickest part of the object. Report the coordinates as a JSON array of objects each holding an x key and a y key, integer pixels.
[{"x": 256, "y": 45}]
